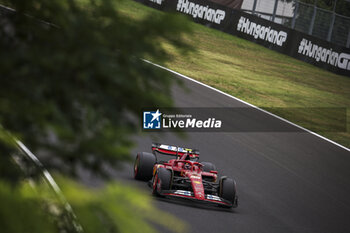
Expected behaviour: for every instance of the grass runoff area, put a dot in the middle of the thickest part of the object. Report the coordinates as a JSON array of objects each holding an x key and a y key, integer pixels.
[{"x": 309, "y": 96}]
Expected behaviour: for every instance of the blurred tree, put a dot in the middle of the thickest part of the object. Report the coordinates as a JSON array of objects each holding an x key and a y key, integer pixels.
[
  {"x": 8, "y": 170},
  {"x": 114, "y": 208},
  {"x": 19, "y": 211},
  {"x": 72, "y": 83}
]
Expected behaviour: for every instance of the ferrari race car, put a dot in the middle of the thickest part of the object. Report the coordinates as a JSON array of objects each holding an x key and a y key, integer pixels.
[{"x": 184, "y": 177}]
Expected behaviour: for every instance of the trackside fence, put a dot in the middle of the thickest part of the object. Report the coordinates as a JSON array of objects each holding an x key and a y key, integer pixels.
[{"x": 303, "y": 17}]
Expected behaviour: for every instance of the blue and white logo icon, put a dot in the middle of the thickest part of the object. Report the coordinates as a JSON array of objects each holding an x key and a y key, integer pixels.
[{"x": 151, "y": 120}]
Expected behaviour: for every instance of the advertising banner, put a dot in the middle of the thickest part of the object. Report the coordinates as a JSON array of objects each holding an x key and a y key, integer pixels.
[
  {"x": 260, "y": 31},
  {"x": 204, "y": 12},
  {"x": 321, "y": 53}
]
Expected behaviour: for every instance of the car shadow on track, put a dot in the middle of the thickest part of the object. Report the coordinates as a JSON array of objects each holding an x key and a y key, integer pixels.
[{"x": 193, "y": 204}]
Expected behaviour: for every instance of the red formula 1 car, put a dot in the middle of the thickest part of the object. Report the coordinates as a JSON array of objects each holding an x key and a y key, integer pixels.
[{"x": 184, "y": 176}]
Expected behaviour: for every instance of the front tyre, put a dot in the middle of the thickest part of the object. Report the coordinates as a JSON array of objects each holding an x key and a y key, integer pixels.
[
  {"x": 227, "y": 190},
  {"x": 161, "y": 181},
  {"x": 143, "y": 167}
]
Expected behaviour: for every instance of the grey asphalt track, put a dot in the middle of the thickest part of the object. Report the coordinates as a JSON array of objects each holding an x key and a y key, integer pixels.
[{"x": 287, "y": 181}]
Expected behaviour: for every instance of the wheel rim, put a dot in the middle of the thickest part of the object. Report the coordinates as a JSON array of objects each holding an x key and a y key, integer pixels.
[
  {"x": 136, "y": 166},
  {"x": 155, "y": 181}
]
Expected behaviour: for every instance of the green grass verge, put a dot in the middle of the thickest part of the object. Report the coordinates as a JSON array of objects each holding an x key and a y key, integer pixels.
[{"x": 258, "y": 75}]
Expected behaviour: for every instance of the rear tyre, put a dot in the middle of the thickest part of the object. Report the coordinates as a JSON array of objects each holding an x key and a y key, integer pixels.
[
  {"x": 143, "y": 167},
  {"x": 162, "y": 180},
  {"x": 228, "y": 190},
  {"x": 207, "y": 167}
]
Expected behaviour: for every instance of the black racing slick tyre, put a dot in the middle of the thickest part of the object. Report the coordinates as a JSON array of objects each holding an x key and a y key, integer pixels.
[
  {"x": 207, "y": 166},
  {"x": 161, "y": 181},
  {"x": 143, "y": 167},
  {"x": 228, "y": 190}
]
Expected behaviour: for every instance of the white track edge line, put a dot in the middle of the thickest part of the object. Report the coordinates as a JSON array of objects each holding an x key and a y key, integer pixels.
[
  {"x": 251, "y": 105},
  {"x": 52, "y": 182}
]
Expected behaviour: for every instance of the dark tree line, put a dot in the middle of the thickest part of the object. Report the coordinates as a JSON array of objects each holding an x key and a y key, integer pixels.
[{"x": 72, "y": 84}]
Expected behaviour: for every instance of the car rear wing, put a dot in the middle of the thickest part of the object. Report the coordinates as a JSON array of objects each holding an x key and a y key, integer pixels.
[{"x": 174, "y": 150}]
